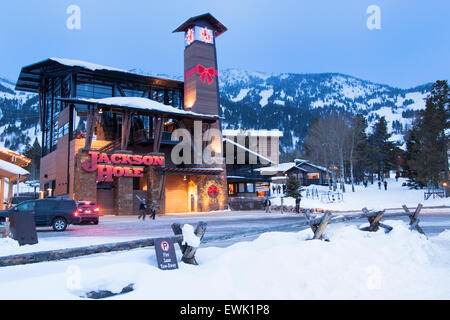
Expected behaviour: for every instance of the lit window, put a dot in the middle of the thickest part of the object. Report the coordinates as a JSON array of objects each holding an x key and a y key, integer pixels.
[{"x": 313, "y": 176}]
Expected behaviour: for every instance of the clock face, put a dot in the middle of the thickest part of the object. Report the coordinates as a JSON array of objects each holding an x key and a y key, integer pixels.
[
  {"x": 206, "y": 35},
  {"x": 189, "y": 37},
  {"x": 202, "y": 34}
]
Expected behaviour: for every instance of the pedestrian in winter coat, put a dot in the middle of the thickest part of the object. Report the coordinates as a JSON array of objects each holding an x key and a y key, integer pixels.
[
  {"x": 153, "y": 209},
  {"x": 379, "y": 185},
  {"x": 279, "y": 189},
  {"x": 142, "y": 209},
  {"x": 273, "y": 190},
  {"x": 385, "y": 185},
  {"x": 267, "y": 205},
  {"x": 297, "y": 205}
]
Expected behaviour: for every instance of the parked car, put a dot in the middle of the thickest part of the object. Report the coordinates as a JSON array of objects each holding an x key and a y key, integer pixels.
[
  {"x": 56, "y": 213},
  {"x": 19, "y": 199},
  {"x": 88, "y": 212}
]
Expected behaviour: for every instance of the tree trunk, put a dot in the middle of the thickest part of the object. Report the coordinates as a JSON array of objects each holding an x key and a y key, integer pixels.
[{"x": 342, "y": 175}]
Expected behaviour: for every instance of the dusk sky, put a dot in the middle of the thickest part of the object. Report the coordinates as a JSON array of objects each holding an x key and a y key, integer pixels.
[{"x": 297, "y": 36}]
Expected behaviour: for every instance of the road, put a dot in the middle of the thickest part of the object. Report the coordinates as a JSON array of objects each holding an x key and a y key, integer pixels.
[{"x": 433, "y": 221}]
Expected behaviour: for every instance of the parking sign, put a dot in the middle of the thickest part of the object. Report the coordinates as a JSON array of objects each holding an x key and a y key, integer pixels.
[{"x": 165, "y": 254}]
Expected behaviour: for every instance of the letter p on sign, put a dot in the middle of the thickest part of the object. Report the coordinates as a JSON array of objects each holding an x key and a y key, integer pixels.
[{"x": 74, "y": 20}]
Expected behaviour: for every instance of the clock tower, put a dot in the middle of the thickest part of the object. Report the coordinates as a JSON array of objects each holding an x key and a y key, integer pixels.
[{"x": 200, "y": 63}]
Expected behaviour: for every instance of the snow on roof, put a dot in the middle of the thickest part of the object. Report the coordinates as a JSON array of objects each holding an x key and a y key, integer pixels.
[
  {"x": 139, "y": 103},
  {"x": 86, "y": 65},
  {"x": 251, "y": 132},
  {"x": 282, "y": 167},
  {"x": 318, "y": 167},
  {"x": 299, "y": 162},
  {"x": 248, "y": 150},
  {"x": 94, "y": 67},
  {"x": 10, "y": 170}
]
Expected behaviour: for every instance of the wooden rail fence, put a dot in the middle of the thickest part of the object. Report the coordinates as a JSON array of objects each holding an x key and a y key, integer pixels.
[{"x": 318, "y": 226}]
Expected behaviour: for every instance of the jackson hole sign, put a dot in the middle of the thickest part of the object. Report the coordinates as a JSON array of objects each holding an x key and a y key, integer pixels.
[{"x": 120, "y": 165}]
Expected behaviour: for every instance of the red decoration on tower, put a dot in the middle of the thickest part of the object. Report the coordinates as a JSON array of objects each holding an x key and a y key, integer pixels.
[
  {"x": 190, "y": 36},
  {"x": 205, "y": 73},
  {"x": 205, "y": 35}
]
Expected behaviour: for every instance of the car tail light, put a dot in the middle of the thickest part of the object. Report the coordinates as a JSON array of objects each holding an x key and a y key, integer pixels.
[
  {"x": 97, "y": 210},
  {"x": 75, "y": 213},
  {"x": 80, "y": 210},
  {"x": 87, "y": 203}
]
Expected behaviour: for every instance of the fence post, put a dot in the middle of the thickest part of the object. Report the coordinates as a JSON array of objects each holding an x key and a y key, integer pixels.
[
  {"x": 320, "y": 228},
  {"x": 414, "y": 218},
  {"x": 375, "y": 222},
  {"x": 188, "y": 251}
]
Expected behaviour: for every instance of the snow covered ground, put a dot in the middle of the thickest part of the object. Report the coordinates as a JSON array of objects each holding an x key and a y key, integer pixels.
[
  {"x": 370, "y": 197},
  {"x": 353, "y": 265}
]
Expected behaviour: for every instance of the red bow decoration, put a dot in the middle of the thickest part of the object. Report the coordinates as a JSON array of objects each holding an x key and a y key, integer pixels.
[
  {"x": 204, "y": 73},
  {"x": 213, "y": 191}
]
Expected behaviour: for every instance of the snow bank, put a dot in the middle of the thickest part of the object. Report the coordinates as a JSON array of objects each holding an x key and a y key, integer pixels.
[
  {"x": 370, "y": 197},
  {"x": 353, "y": 265}
]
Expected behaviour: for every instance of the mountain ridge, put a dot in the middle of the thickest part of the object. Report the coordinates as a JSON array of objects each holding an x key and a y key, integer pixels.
[{"x": 257, "y": 100}]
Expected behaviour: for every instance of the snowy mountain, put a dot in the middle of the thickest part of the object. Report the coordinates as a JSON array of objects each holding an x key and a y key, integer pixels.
[
  {"x": 19, "y": 117},
  {"x": 289, "y": 102},
  {"x": 254, "y": 100}
]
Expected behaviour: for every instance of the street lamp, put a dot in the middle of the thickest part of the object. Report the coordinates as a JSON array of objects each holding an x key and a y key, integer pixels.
[{"x": 444, "y": 184}]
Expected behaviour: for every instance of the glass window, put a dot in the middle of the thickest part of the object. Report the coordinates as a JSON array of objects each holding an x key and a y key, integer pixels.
[
  {"x": 312, "y": 176},
  {"x": 27, "y": 206},
  {"x": 241, "y": 187},
  {"x": 250, "y": 187},
  {"x": 231, "y": 189}
]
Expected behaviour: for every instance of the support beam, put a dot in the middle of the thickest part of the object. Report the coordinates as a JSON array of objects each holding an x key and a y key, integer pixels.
[
  {"x": 2, "y": 194},
  {"x": 91, "y": 121},
  {"x": 10, "y": 189},
  {"x": 159, "y": 127},
  {"x": 126, "y": 126}
]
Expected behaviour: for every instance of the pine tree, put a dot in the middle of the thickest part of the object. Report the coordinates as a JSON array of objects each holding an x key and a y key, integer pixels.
[
  {"x": 34, "y": 153},
  {"x": 428, "y": 140},
  {"x": 293, "y": 188},
  {"x": 380, "y": 148},
  {"x": 358, "y": 149}
]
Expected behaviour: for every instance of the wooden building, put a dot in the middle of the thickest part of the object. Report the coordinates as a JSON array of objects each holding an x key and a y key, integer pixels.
[
  {"x": 304, "y": 171},
  {"x": 108, "y": 133},
  {"x": 12, "y": 170},
  {"x": 246, "y": 151}
]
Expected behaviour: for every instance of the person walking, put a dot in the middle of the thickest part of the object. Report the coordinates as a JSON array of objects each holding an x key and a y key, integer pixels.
[
  {"x": 267, "y": 205},
  {"x": 142, "y": 209},
  {"x": 297, "y": 205},
  {"x": 279, "y": 189},
  {"x": 153, "y": 210},
  {"x": 379, "y": 185},
  {"x": 273, "y": 190},
  {"x": 385, "y": 185}
]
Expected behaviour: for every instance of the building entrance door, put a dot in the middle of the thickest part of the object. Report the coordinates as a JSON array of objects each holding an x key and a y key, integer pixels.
[
  {"x": 177, "y": 198},
  {"x": 105, "y": 200}
]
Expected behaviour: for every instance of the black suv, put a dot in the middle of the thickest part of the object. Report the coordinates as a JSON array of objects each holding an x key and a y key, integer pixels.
[
  {"x": 16, "y": 200},
  {"x": 57, "y": 213}
]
